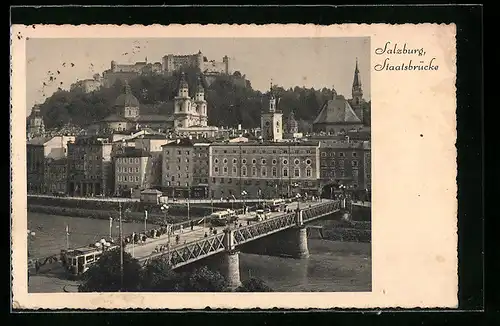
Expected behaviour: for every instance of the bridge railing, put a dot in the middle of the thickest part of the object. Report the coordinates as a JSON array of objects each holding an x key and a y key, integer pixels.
[
  {"x": 315, "y": 212},
  {"x": 254, "y": 231},
  {"x": 188, "y": 252}
]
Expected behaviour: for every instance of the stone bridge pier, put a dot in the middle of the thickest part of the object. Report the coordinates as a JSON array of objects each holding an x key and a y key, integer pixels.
[{"x": 230, "y": 260}]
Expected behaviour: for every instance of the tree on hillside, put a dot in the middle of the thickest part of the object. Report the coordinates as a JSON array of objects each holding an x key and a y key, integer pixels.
[
  {"x": 158, "y": 276},
  {"x": 202, "y": 280},
  {"x": 104, "y": 275},
  {"x": 254, "y": 285}
]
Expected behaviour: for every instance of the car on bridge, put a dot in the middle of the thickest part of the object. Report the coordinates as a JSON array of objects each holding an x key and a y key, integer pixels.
[{"x": 223, "y": 218}]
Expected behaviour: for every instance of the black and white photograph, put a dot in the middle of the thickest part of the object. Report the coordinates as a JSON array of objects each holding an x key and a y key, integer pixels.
[
  {"x": 198, "y": 164},
  {"x": 234, "y": 166}
]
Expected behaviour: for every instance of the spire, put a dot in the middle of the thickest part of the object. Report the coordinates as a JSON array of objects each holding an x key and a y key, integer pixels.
[
  {"x": 271, "y": 91},
  {"x": 334, "y": 93},
  {"x": 200, "y": 87},
  {"x": 126, "y": 88},
  {"x": 183, "y": 83},
  {"x": 356, "y": 82}
]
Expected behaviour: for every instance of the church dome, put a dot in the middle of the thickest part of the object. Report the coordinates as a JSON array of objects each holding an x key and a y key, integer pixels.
[{"x": 127, "y": 98}]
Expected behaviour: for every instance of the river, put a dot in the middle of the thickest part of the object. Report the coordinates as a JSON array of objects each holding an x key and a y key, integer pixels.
[{"x": 332, "y": 265}]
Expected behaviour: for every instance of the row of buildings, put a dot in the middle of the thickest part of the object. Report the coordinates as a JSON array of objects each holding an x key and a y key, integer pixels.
[
  {"x": 129, "y": 153},
  {"x": 199, "y": 168}
]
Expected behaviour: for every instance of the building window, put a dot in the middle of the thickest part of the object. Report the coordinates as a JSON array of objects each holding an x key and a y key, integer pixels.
[
  {"x": 216, "y": 161},
  {"x": 308, "y": 172},
  {"x": 297, "y": 162},
  {"x": 354, "y": 154},
  {"x": 355, "y": 174},
  {"x": 285, "y": 172},
  {"x": 137, "y": 179},
  {"x": 136, "y": 160},
  {"x": 224, "y": 169},
  {"x": 244, "y": 161},
  {"x": 308, "y": 162},
  {"x": 274, "y": 161},
  {"x": 254, "y": 171},
  {"x": 332, "y": 154},
  {"x": 216, "y": 169},
  {"x": 225, "y": 161},
  {"x": 341, "y": 154},
  {"x": 274, "y": 172},
  {"x": 136, "y": 170},
  {"x": 131, "y": 160},
  {"x": 254, "y": 161},
  {"x": 296, "y": 173},
  {"x": 234, "y": 169},
  {"x": 285, "y": 162},
  {"x": 234, "y": 161},
  {"x": 354, "y": 163},
  {"x": 341, "y": 163},
  {"x": 187, "y": 152},
  {"x": 263, "y": 171},
  {"x": 244, "y": 171},
  {"x": 263, "y": 161}
]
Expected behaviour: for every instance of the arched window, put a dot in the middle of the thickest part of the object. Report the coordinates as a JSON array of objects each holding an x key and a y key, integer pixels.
[
  {"x": 244, "y": 171},
  {"x": 296, "y": 173},
  {"x": 285, "y": 172}
]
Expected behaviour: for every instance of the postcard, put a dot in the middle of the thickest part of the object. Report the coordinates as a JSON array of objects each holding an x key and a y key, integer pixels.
[{"x": 234, "y": 166}]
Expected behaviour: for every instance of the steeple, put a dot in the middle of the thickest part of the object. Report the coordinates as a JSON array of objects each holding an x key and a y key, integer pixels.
[
  {"x": 334, "y": 93},
  {"x": 272, "y": 99},
  {"x": 357, "y": 93},
  {"x": 199, "y": 86},
  {"x": 183, "y": 86},
  {"x": 126, "y": 88},
  {"x": 357, "y": 81}
]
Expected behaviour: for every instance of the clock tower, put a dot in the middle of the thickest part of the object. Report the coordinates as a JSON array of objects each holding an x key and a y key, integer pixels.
[{"x": 271, "y": 121}]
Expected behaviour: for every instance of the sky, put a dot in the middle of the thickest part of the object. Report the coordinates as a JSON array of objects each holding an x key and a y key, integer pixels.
[{"x": 287, "y": 62}]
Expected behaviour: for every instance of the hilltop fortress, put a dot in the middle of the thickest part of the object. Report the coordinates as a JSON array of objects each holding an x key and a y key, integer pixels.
[{"x": 168, "y": 65}]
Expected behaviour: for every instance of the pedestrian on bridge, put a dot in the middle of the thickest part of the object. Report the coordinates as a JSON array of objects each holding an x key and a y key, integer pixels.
[
  {"x": 191, "y": 223},
  {"x": 177, "y": 239},
  {"x": 181, "y": 228}
]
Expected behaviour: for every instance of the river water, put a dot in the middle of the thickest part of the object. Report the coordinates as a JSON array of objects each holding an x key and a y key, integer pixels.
[{"x": 332, "y": 265}]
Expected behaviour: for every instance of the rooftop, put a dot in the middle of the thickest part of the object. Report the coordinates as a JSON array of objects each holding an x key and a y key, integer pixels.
[
  {"x": 133, "y": 152},
  {"x": 337, "y": 111}
]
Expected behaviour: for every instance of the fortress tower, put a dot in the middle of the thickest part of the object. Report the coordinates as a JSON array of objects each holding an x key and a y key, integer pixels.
[{"x": 271, "y": 120}]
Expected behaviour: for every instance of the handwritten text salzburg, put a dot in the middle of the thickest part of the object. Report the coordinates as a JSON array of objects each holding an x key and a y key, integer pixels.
[{"x": 417, "y": 63}]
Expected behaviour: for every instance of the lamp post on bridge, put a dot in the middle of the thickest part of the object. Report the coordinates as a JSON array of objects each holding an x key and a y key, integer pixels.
[
  {"x": 243, "y": 194},
  {"x": 164, "y": 208}
]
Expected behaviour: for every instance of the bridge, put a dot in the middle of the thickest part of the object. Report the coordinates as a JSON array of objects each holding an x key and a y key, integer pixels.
[{"x": 232, "y": 237}]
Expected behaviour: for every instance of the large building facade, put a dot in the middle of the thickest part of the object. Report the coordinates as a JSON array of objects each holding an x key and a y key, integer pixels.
[
  {"x": 345, "y": 163},
  {"x": 90, "y": 167},
  {"x": 133, "y": 171},
  {"x": 263, "y": 169},
  {"x": 40, "y": 152}
]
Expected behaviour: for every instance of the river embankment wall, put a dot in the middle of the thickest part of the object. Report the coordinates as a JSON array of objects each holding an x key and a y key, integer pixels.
[{"x": 131, "y": 211}]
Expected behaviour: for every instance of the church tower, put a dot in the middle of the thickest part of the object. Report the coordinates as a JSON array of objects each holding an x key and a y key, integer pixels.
[
  {"x": 357, "y": 94},
  {"x": 201, "y": 104},
  {"x": 183, "y": 106},
  {"x": 35, "y": 125},
  {"x": 271, "y": 120}
]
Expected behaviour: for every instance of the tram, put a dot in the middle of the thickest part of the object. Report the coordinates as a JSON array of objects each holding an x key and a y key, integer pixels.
[{"x": 77, "y": 261}]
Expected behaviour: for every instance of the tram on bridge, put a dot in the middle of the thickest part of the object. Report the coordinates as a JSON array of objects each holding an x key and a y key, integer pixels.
[{"x": 78, "y": 261}]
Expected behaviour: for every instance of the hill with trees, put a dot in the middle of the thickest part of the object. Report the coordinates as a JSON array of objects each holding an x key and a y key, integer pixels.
[{"x": 229, "y": 103}]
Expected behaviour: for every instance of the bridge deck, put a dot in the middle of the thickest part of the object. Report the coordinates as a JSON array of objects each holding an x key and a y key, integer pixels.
[{"x": 194, "y": 246}]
